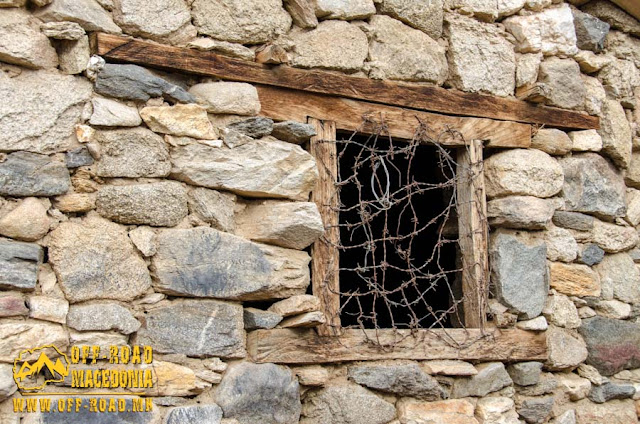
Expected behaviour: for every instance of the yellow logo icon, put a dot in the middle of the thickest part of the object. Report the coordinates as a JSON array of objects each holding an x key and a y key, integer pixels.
[{"x": 34, "y": 375}]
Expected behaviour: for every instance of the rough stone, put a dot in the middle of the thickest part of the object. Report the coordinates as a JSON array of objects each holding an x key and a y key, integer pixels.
[
  {"x": 590, "y": 62},
  {"x": 132, "y": 153},
  {"x": 525, "y": 373},
  {"x": 259, "y": 393},
  {"x": 19, "y": 264},
  {"x": 81, "y": 252},
  {"x": 296, "y": 305},
  {"x": 614, "y": 238},
  {"x": 256, "y": 319},
  {"x": 253, "y": 127},
  {"x": 203, "y": 262},
  {"x": 624, "y": 46},
  {"x": 615, "y": 133},
  {"x": 547, "y": 384},
  {"x": 633, "y": 207},
  {"x": 552, "y": 141},
  {"x": 399, "y": 52},
  {"x": 566, "y": 350},
  {"x": 102, "y": 317},
  {"x": 195, "y": 414},
  {"x": 306, "y": 320},
  {"x": 227, "y": 97},
  {"x": 293, "y": 132},
  {"x": 614, "y": 412},
  {"x": 162, "y": 204},
  {"x": 213, "y": 207},
  {"x": 425, "y": 15},
  {"x": 144, "y": 238},
  {"x": 480, "y": 57},
  {"x": 561, "y": 245},
  {"x": 576, "y": 387},
  {"x": 519, "y": 272},
  {"x": 62, "y": 30},
  {"x": 73, "y": 55},
  {"x": 223, "y": 47},
  {"x": 527, "y": 66},
  {"x": 496, "y": 410},
  {"x": 609, "y": 391},
  {"x": 613, "y": 345},
  {"x": 15, "y": 335},
  {"x": 402, "y": 379},
  {"x": 31, "y": 174},
  {"x": 260, "y": 168},
  {"x": 592, "y": 374},
  {"x": 522, "y": 172},
  {"x": 133, "y": 82},
  {"x": 550, "y": 31},
  {"x": 619, "y": 277},
  {"x": 88, "y": 13},
  {"x": 590, "y": 31},
  {"x": 613, "y": 15},
  {"x": 535, "y": 410},
  {"x": 27, "y": 222},
  {"x": 574, "y": 279},
  {"x": 593, "y": 185},
  {"x": 595, "y": 95},
  {"x": 561, "y": 77},
  {"x": 110, "y": 113},
  {"x": 613, "y": 309},
  {"x": 524, "y": 212},
  {"x": 12, "y": 305},
  {"x": 78, "y": 157},
  {"x": 455, "y": 411},
  {"x": 241, "y": 22},
  {"x": 48, "y": 309},
  {"x": 619, "y": 78},
  {"x": 180, "y": 120},
  {"x": 333, "y": 44},
  {"x": 585, "y": 141},
  {"x": 344, "y": 9},
  {"x": 346, "y": 404},
  {"x": 491, "y": 377},
  {"x": 573, "y": 220},
  {"x": 23, "y": 43},
  {"x": 312, "y": 375},
  {"x": 198, "y": 328},
  {"x": 449, "y": 367},
  {"x": 561, "y": 311},
  {"x": 75, "y": 202}
]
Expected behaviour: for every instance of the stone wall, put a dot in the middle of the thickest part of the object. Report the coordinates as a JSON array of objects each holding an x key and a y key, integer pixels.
[{"x": 139, "y": 207}]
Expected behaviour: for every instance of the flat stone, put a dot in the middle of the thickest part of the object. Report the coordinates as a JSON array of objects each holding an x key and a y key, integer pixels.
[
  {"x": 592, "y": 374},
  {"x": 213, "y": 207},
  {"x": 399, "y": 52},
  {"x": 172, "y": 380},
  {"x": 615, "y": 133},
  {"x": 619, "y": 277},
  {"x": 590, "y": 62},
  {"x": 198, "y": 328},
  {"x": 234, "y": 20},
  {"x": 62, "y": 30},
  {"x": 132, "y": 153},
  {"x": 179, "y": 120},
  {"x": 613, "y": 15},
  {"x": 31, "y": 174},
  {"x": 81, "y": 252},
  {"x": 566, "y": 350},
  {"x": 27, "y": 222},
  {"x": 75, "y": 202},
  {"x": 15, "y": 335},
  {"x": 261, "y": 168},
  {"x": 535, "y": 410},
  {"x": 346, "y": 10},
  {"x": 258, "y": 319},
  {"x": 22, "y": 42},
  {"x": 519, "y": 272},
  {"x": 162, "y": 204},
  {"x": 522, "y": 172},
  {"x": 561, "y": 78},
  {"x": 574, "y": 279},
  {"x": 48, "y": 308},
  {"x": 552, "y": 141},
  {"x": 561, "y": 311},
  {"x": 203, "y": 262},
  {"x": 227, "y": 97},
  {"x": 12, "y": 305},
  {"x": 333, "y": 44},
  {"x": 110, "y": 113},
  {"x": 609, "y": 391},
  {"x": 306, "y": 320},
  {"x": 613, "y": 309},
  {"x": 102, "y": 317},
  {"x": 195, "y": 414},
  {"x": 295, "y": 305},
  {"x": 346, "y": 404},
  {"x": 520, "y": 212},
  {"x": 614, "y": 412},
  {"x": 87, "y": 13},
  {"x": 19, "y": 264},
  {"x": 402, "y": 379},
  {"x": 550, "y": 31},
  {"x": 223, "y": 47},
  {"x": 133, "y": 82},
  {"x": 233, "y": 138},
  {"x": 573, "y": 220},
  {"x": 259, "y": 393},
  {"x": 293, "y": 132},
  {"x": 455, "y": 411},
  {"x": 97, "y": 338},
  {"x": 593, "y": 185},
  {"x": 449, "y": 367},
  {"x": 536, "y": 324},
  {"x": 491, "y": 377},
  {"x": 253, "y": 127},
  {"x": 585, "y": 141},
  {"x": 312, "y": 375},
  {"x": 425, "y": 15},
  {"x": 590, "y": 31},
  {"x": 525, "y": 373}
]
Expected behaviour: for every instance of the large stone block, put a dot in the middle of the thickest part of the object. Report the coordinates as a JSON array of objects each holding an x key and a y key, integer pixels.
[
  {"x": 624, "y": 46},
  {"x": 519, "y": 272},
  {"x": 213, "y": 207},
  {"x": 19, "y": 264},
  {"x": 261, "y": 168},
  {"x": 425, "y": 15},
  {"x": 102, "y": 317},
  {"x": 613, "y": 15},
  {"x": 402, "y": 379},
  {"x": 613, "y": 345},
  {"x": 110, "y": 113},
  {"x": 22, "y": 43},
  {"x": 614, "y": 238},
  {"x": 593, "y": 185},
  {"x": 200, "y": 328},
  {"x": 619, "y": 79},
  {"x": 16, "y": 336},
  {"x": 486, "y": 10},
  {"x": 203, "y": 262},
  {"x": 526, "y": 212},
  {"x": 88, "y": 13},
  {"x": 259, "y": 393},
  {"x": 227, "y": 97},
  {"x": 94, "y": 259},
  {"x": 480, "y": 57},
  {"x": 195, "y": 414},
  {"x": 552, "y": 141},
  {"x": 32, "y": 174},
  {"x": 399, "y": 52},
  {"x": 561, "y": 78}
]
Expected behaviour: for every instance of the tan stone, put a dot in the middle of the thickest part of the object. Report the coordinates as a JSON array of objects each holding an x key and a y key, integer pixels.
[
  {"x": 449, "y": 367},
  {"x": 18, "y": 335},
  {"x": 595, "y": 95},
  {"x": 585, "y": 141},
  {"x": 306, "y": 320},
  {"x": 633, "y": 206},
  {"x": 496, "y": 410},
  {"x": 590, "y": 62},
  {"x": 613, "y": 309},
  {"x": 28, "y": 222},
  {"x": 312, "y": 375},
  {"x": 227, "y": 97},
  {"x": 75, "y": 202},
  {"x": 612, "y": 412},
  {"x": 561, "y": 311},
  {"x": 224, "y": 47},
  {"x": 73, "y": 55},
  {"x": 425, "y": 15},
  {"x": 616, "y": 133},
  {"x": 632, "y": 174},
  {"x": 575, "y": 386},
  {"x": 182, "y": 120},
  {"x": 552, "y": 141},
  {"x": 536, "y": 324},
  {"x": 48, "y": 309},
  {"x": 22, "y": 43},
  {"x": 614, "y": 238},
  {"x": 455, "y": 411},
  {"x": 144, "y": 240},
  {"x": 344, "y": 9},
  {"x": 172, "y": 380},
  {"x": 62, "y": 30},
  {"x": 574, "y": 279},
  {"x": 296, "y": 305},
  {"x": 566, "y": 350}
]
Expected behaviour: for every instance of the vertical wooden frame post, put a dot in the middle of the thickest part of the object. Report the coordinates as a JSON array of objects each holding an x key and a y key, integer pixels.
[
  {"x": 473, "y": 233},
  {"x": 325, "y": 257}
]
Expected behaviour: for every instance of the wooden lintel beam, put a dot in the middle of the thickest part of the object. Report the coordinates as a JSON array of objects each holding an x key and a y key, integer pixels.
[
  {"x": 304, "y": 346},
  {"x": 415, "y": 96}
]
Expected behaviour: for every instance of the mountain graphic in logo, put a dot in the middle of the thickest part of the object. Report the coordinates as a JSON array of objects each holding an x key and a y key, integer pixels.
[{"x": 35, "y": 375}]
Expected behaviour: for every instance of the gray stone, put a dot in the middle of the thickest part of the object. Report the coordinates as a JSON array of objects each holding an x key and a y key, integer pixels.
[
  {"x": 94, "y": 259},
  {"x": 88, "y": 13},
  {"x": 259, "y": 393},
  {"x": 491, "y": 377},
  {"x": 62, "y": 30},
  {"x": 102, "y": 317},
  {"x": 162, "y": 204},
  {"x": 573, "y": 220},
  {"x": 256, "y": 319},
  {"x": 593, "y": 185},
  {"x": 133, "y": 153},
  {"x": 110, "y": 113},
  {"x": 591, "y": 255},
  {"x": 616, "y": 133},
  {"x": 561, "y": 77},
  {"x": 253, "y": 127},
  {"x": 613, "y": 345},
  {"x": 203, "y": 262},
  {"x": 78, "y": 157},
  {"x": 22, "y": 43},
  {"x": 402, "y": 379},
  {"x": 293, "y": 132},
  {"x": 619, "y": 278},
  {"x": 346, "y": 404},
  {"x": 590, "y": 31},
  {"x": 613, "y": 15},
  {"x": 525, "y": 373},
  {"x": 609, "y": 391},
  {"x": 199, "y": 328},
  {"x": 519, "y": 272},
  {"x": 31, "y": 174},
  {"x": 526, "y": 212},
  {"x": 546, "y": 385},
  {"x": 19, "y": 264},
  {"x": 536, "y": 410},
  {"x": 425, "y": 15},
  {"x": 233, "y": 138},
  {"x": 39, "y": 110},
  {"x": 136, "y": 83},
  {"x": 195, "y": 414},
  {"x": 213, "y": 207},
  {"x": 566, "y": 350}
]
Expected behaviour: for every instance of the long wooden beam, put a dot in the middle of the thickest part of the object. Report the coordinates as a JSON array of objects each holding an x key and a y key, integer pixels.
[
  {"x": 351, "y": 115},
  {"x": 305, "y": 346},
  {"x": 421, "y": 97}
]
